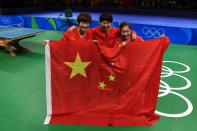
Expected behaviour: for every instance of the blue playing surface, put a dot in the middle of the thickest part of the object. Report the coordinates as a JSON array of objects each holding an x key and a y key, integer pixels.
[{"x": 16, "y": 32}]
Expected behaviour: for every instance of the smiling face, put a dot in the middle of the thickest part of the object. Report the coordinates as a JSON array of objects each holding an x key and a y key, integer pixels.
[
  {"x": 84, "y": 20},
  {"x": 125, "y": 33},
  {"x": 105, "y": 25},
  {"x": 83, "y": 26}
]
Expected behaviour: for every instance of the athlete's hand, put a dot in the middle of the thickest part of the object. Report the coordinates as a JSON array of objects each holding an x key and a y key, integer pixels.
[
  {"x": 72, "y": 28},
  {"x": 45, "y": 42},
  {"x": 96, "y": 41},
  {"x": 134, "y": 35},
  {"x": 163, "y": 35}
]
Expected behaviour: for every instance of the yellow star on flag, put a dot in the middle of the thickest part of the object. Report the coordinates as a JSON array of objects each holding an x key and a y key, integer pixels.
[
  {"x": 111, "y": 78},
  {"x": 102, "y": 85},
  {"x": 78, "y": 67}
]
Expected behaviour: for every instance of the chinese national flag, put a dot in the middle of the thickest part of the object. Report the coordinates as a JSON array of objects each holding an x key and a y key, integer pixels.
[{"x": 89, "y": 85}]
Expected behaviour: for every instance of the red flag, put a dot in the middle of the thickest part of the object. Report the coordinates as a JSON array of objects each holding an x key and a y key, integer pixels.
[{"x": 117, "y": 86}]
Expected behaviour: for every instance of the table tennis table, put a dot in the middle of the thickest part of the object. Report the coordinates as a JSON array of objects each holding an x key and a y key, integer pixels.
[{"x": 10, "y": 37}]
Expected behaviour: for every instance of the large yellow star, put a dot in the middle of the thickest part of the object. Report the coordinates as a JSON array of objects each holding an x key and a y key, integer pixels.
[
  {"x": 111, "y": 78},
  {"x": 102, "y": 85},
  {"x": 78, "y": 67}
]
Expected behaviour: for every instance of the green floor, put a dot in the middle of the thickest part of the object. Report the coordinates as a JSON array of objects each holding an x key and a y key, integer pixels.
[{"x": 22, "y": 91}]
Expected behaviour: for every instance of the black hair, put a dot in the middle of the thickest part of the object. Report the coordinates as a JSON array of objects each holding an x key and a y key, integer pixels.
[
  {"x": 106, "y": 17},
  {"x": 84, "y": 17},
  {"x": 123, "y": 24}
]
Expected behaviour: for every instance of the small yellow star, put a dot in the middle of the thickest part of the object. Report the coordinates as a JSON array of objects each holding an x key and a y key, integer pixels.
[
  {"x": 111, "y": 78},
  {"x": 78, "y": 67},
  {"x": 102, "y": 85}
]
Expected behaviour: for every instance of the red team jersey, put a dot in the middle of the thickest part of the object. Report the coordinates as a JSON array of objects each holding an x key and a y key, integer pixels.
[
  {"x": 75, "y": 35},
  {"x": 108, "y": 38},
  {"x": 105, "y": 38}
]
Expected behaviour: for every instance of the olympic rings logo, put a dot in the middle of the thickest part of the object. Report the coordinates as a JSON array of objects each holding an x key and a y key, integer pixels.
[
  {"x": 6, "y": 20},
  {"x": 153, "y": 32},
  {"x": 165, "y": 88}
]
